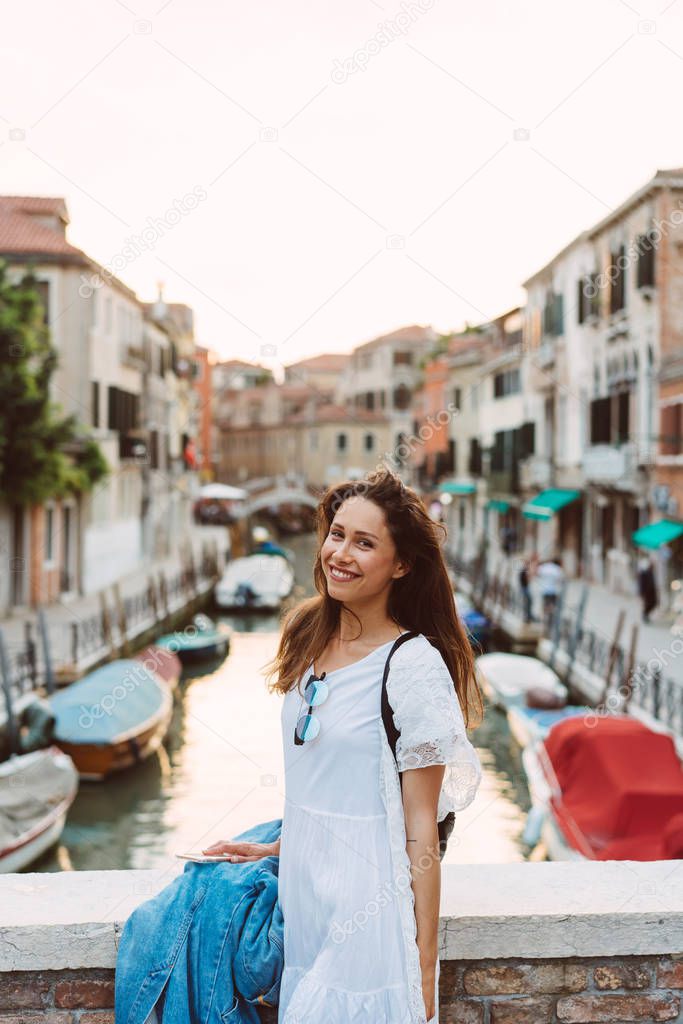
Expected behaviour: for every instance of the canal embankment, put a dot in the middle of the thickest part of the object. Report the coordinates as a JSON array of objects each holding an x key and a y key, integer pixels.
[{"x": 570, "y": 942}]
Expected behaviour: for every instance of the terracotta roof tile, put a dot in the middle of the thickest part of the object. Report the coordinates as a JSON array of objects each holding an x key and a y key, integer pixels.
[
  {"x": 414, "y": 333},
  {"x": 23, "y": 232},
  {"x": 331, "y": 361}
]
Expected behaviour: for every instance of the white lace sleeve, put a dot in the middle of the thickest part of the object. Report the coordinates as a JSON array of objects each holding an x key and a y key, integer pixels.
[{"x": 428, "y": 715}]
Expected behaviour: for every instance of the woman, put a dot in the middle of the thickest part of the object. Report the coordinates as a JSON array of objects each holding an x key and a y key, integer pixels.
[
  {"x": 647, "y": 586},
  {"x": 359, "y": 878}
]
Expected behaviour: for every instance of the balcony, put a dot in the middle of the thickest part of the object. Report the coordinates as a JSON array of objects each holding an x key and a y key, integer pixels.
[
  {"x": 616, "y": 467},
  {"x": 503, "y": 481},
  {"x": 544, "y": 355},
  {"x": 536, "y": 471},
  {"x": 134, "y": 444},
  {"x": 132, "y": 356}
]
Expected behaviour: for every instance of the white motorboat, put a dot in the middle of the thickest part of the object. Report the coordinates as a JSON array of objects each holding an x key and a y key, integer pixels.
[
  {"x": 36, "y": 791},
  {"x": 507, "y": 678},
  {"x": 258, "y": 582},
  {"x": 530, "y": 725}
]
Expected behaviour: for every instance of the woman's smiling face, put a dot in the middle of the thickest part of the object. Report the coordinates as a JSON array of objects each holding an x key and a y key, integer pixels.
[{"x": 358, "y": 555}]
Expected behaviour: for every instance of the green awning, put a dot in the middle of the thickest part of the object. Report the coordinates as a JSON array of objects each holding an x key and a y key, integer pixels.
[
  {"x": 547, "y": 503},
  {"x": 454, "y": 487},
  {"x": 498, "y": 505},
  {"x": 655, "y": 534}
]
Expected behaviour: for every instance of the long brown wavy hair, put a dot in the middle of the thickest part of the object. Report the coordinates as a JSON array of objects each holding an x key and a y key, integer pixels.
[{"x": 420, "y": 600}]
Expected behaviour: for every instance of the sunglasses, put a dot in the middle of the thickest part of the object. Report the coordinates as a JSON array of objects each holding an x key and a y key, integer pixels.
[{"x": 308, "y": 725}]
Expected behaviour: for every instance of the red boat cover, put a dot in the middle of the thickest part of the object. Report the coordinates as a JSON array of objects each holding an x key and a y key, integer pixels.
[
  {"x": 622, "y": 785},
  {"x": 163, "y": 663}
]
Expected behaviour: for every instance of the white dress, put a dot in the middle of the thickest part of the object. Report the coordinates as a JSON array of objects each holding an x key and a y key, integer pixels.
[{"x": 350, "y": 950}]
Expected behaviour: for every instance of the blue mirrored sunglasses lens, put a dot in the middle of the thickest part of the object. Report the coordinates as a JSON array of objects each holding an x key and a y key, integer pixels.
[
  {"x": 316, "y": 691},
  {"x": 307, "y": 728}
]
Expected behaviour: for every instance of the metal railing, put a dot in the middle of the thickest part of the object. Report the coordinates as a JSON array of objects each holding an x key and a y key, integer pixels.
[
  {"x": 28, "y": 665},
  {"x": 628, "y": 682}
]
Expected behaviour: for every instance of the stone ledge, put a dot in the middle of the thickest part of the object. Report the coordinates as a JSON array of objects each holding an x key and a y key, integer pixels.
[{"x": 534, "y": 911}]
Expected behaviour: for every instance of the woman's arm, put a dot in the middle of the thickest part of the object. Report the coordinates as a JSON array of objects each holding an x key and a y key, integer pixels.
[
  {"x": 243, "y": 851},
  {"x": 421, "y": 788}
]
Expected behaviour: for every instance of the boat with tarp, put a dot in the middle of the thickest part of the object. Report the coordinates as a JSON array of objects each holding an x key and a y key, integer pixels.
[
  {"x": 608, "y": 788},
  {"x": 113, "y": 718},
  {"x": 199, "y": 641},
  {"x": 36, "y": 792}
]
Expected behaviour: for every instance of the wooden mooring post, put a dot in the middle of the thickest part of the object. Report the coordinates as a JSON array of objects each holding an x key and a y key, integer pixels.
[{"x": 5, "y": 673}]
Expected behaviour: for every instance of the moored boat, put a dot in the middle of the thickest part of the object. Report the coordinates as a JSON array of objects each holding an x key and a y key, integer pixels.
[
  {"x": 529, "y": 724},
  {"x": 36, "y": 792},
  {"x": 201, "y": 640},
  {"x": 477, "y": 625},
  {"x": 163, "y": 663},
  {"x": 255, "y": 583},
  {"x": 607, "y": 788},
  {"x": 113, "y": 718},
  {"x": 506, "y": 678}
]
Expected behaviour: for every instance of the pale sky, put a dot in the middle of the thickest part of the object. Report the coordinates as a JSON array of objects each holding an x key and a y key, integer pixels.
[{"x": 356, "y": 163}]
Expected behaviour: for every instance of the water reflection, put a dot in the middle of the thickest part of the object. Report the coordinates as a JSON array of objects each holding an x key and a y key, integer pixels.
[{"x": 221, "y": 769}]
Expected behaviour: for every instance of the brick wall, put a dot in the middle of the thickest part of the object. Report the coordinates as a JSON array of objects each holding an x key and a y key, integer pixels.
[
  {"x": 65, "y": 997},
  {"x": 572, "y": 991}
]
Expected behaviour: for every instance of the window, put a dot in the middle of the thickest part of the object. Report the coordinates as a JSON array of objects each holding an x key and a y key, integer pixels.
[
  {"x": 43, "y": 289},
  {"x": 645, "y": 274},
  {"x": 610, "y": 419},
  {"x": 452, "y": 457},
  {"x": 525, "y": 441},
  {"x": 154, "y": 449},
  {"x": 600, "y": 421},
  {"x": 123, "y": 410},
  {"x": 553, "y": 314},
  {"x": 461, "y": 515},
  {"x": 95, "y": 398},
  {"x": 457, "y": 399},
  {"x": 588, "y": 298},
  {"x": 341, "y": 442},
  {"x": 617, "y": 276},
  {"x": 49, "y": 533},
  {"x": 671, "y": 432},
  {"x": 403, "y": 358},
  {"x": 507, "y": 383},
  {"x": 370, "y": 400},
  {"x": 474, "y": 461},
  {"x": 502, "y": 453},
  {"x": 369, "y": 442},
  {"x": 402, "y": 397}
]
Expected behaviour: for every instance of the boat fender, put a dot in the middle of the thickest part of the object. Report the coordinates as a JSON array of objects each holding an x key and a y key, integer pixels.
[
  {"x": 36, "y": 726},
  {"x": 534, "y": 824},
  {"x": 135, "y": 749},
  {"x": 547, "y": 700}
]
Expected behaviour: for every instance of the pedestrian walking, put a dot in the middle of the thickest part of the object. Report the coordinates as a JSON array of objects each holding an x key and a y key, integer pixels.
[
  {"x": 647, "y": 586},
  {"x": 550, "y": 576},
  {"x": 525, "y": 587}
]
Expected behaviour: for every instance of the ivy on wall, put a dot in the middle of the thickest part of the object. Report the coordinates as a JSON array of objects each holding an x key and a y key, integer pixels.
[{"x": 43, "y": 454}]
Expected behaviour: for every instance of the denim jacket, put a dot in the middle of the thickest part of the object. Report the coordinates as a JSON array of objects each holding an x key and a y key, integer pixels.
[{"x": 212, "y": 941}]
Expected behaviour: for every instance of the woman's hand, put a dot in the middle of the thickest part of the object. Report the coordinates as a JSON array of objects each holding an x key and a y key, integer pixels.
[
  {"x": 241, "y": 851},
  {"x": 428, "y": 989}
]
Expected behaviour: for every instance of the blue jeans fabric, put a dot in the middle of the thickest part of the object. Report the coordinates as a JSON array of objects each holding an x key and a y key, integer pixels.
[{"x": 211, "y": 942}]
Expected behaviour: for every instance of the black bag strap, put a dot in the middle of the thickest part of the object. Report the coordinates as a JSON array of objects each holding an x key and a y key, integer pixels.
[{"x": 387, "y": 713}]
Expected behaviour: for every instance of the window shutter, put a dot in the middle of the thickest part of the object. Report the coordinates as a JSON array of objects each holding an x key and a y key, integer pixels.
[
  {"x": 581, "y": 300},
  {"x": 623, "y": 411}
]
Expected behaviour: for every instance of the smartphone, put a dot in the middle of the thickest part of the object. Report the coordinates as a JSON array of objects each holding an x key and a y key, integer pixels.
[{"x": 201, "y": 858}]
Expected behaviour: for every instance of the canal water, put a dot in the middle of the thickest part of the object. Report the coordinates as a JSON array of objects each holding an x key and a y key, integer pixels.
[{"x": 220, "y": 770}]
